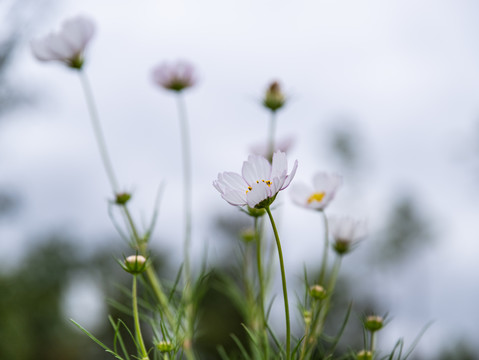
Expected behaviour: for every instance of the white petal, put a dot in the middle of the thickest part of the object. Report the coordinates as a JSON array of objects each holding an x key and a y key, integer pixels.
[
  {"x": 41, "y": 51},
  {"x": 234, "y": 181},
  {"x": 259, "y": 193},
  {"x": 290, "y": 177},
  {"x": 257, "y": 168},
  {"x": 78, "y": 32},
  {"x": 235, "y": 197},
  {"x": 279, "y": 164},
  {"x": 326, "y": 182},
  {"x": 300, "y": 194}
]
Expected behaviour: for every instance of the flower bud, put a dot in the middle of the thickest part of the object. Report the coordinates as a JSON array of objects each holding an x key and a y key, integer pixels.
[
  {"x": 317, "y": 292},
  {"x": 135, "y": 264},
  {"x": 307, "y": 316},
  {"x": 122, "y": 198},
  {"x": 164, "y": 346},
  {"x": 373, "y": 323},
  {"x": 274, "y": 98},
  {"x": 364, "y": 355},
  {"x": 342, "y": 246},
  {"x": 175, "y": 77},
  {"x": 248, "y": 235}
]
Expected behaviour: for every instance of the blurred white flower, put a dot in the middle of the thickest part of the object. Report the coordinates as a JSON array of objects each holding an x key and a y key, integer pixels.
[
  {"x": 178, "y": 76},
  {"x": 259, "y": 182},
  {"x": 283, "y": 145},
  {"x": 346, "y": 232},
  {"x": 320, "y": 194},
  {"x": 68, "y": 44}
]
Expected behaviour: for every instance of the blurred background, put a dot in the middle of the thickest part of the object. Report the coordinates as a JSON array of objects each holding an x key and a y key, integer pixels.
[{"x": 385, "y": 93}]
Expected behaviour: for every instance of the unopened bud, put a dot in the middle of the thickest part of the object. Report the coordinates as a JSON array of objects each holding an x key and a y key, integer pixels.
[
  {"x": 342, "y": 246},
  {"x": 307, "y": 316},
  {"x": 317, "y": 292},
  {"x": 373, "y": 323},
  {"x": 122, "y": 198},
  {"x": 248, "y": 235},
  {"x": 274, "y": 98},
  {"x": 135, "y": 264},
  {"x": 364, "y": 355},
  {"x": 164, "y": 346}
]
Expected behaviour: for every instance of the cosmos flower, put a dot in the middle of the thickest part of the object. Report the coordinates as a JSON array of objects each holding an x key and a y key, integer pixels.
[
  {"x": 320, "y": 194},
  {"x": 346, "y": 232},
  {"x": 68, "y": 44},
  {"x": 176, "y": 77},
  {"x": 259, "y": 182}
]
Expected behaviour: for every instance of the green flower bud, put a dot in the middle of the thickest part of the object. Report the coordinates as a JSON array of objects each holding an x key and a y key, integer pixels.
[
  {"x": 122, "y": 198},
  {"x": 307, "y": 316},
  {"x": 248, "y": 235},
  {"x": 164, "y": 346},
  {"x": 373, "y": 323},
  {"x": 342, "y": 246},
  {"x": 135, "y": 264},
  {"x": 317, "y": 292},
  {"x": 364, "y": 355},
  {"x": 274, "y": 98}
]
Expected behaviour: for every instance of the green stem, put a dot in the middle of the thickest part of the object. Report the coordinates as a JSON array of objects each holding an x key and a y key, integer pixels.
[
  {"x": 371, "y": 348},
  {"x": 97, "y": 129},
  {"x": 187, "y": 201},
  {"x": 324, "y": 261},
  {"x": 261, "y": 285},
  {"x": 283, "y": 280},
  {"x": 332, "y": 284},
  {"x": 272, "y": 130},
  {"x": 139, "y": 337}
]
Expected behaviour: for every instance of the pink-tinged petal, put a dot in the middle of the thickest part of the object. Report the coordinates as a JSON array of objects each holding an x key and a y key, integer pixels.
[
  {"x": 235, "y": 197},
  {"x": 257, "y": 168},
  {"x": 78, "y": 32},
  {"x": 279, "y": 164},
  {"x": 41, "y": 51},
  {"x": 235, "y": 181},
  {"x": 276, "y": 184},
  {"x": 290, "y": 177},
  {"x": 259, "y": 193}
]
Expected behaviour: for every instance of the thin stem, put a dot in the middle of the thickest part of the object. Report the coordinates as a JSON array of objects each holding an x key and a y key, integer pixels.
[
  {"x": 187, "y": 179},
  {"x": 283, "y": 280},
  {"x": 372, "y": 344},
  {"x": 324, "y": 261},
  {"x": 261, "y": 284},
  {"x": 187, "y": 200},
  {"x": 97, "y": 129},
  {"x": 139, "y": 337},
  {"x": 272, "y": 130}
]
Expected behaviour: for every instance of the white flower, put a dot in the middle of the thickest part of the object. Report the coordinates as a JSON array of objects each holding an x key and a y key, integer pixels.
[
  {"x": 320, "y": 194},
  {"x": 259, "y": 182},
  {"x": 346, "y": 231},
  {"x": 178, "y": 76},
  {"x": 68, "y": 44}
]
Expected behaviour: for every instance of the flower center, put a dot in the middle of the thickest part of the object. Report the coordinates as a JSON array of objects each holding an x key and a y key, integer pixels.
[
  {"x": 267, "y": 182},
  {"x": 318, "y": 197}
]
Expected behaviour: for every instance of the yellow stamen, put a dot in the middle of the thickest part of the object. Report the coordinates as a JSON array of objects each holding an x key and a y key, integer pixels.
[
  {"x": 316, "y": 197},
  {"x": 249, "y": 189}
]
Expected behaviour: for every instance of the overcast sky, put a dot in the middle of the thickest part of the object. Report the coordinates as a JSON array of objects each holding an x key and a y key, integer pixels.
[{"x": 405, "y": 72}]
